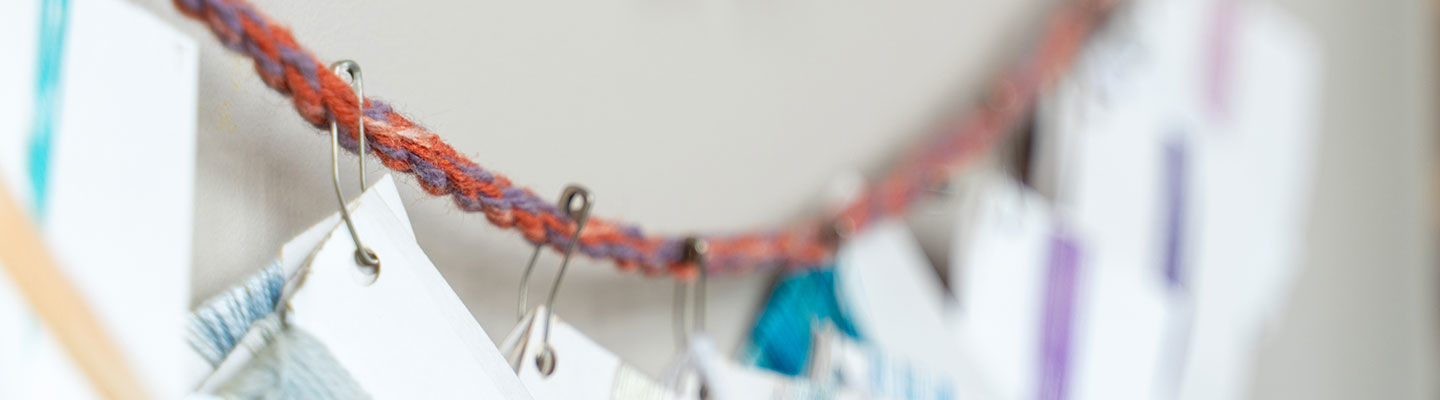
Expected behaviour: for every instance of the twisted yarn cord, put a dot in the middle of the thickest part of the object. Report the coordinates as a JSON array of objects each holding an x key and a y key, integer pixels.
[{"x": 319, "y": 95}]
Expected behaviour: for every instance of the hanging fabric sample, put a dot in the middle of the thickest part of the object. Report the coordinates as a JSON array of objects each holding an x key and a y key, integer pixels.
[
  {"x": 896, "y": 302},
  {"x": 998, "y": 272},
  {"x": 575, "y": 366},
  {"x": 701, "y": 372},
  {"x": 1251, "y": 167},
  {"x": 838, "y": 361},
  {"x": 881, "y": 284},
  {"x": 1190, "y": 204},
  {"x": 780, "y": 340},
  {"x": 400, "y": 333}
]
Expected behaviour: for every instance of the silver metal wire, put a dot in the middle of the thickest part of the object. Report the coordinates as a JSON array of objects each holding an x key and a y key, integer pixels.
[
  {"x": 685, "y": 325},
  {"x": 545, "y": 361},
  {"x": 363, "y": 255}
]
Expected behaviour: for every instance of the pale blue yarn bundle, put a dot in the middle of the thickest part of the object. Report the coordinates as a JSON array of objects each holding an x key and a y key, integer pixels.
[
  {"x": 287, "y": 363},
  {"x": 291, "y": 365},
  {"x": 217, "y": 326}
]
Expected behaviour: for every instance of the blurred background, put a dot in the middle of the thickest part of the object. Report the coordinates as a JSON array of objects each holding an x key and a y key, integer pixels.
[{"x": 723, "y": 116}]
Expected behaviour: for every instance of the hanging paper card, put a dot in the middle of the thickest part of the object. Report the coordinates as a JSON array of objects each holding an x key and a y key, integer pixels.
[
  {"x": 223, "y": 329},
  {"x": 779, "y": 341},
  {"x": 581, "y": 369},
  {"x": 703, "y": 373},
  {"x": 1180, "y": 280},
  {"x": 404, "y": 335},
  {"x": 838, "y": 361},
  {"x": 1000, "y": 272},
  {"x": 894, "y": 297},
  {"x": 220, "y": 319},
  {"x": 124, "y": 106},
  {"x": 1114, "y": 117},
  {"x": 1253, "y": 170}
]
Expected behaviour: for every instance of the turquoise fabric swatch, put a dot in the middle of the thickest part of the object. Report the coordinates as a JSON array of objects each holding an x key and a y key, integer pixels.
[{"x": 780, "y": 340}]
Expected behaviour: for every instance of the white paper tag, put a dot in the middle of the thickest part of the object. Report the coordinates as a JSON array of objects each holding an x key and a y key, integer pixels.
[
  {"x": 582, "y": 370},
  {"x": 1117, "y": 114},
  {"x": 1253, "y": 173},
  {"x": 838, "y": 361},
  {"x": 406, "y": 335},
  {"x": 1147, "y": 87},
  {"x": 294, "y": 254},
  {"x": 127, "y": 106},
  {"x": 1000, "y": 270},
  {"x": 703, "y": 373},
  {"x": 894, "y": 297},
  {"x": 895, "y": 301}
]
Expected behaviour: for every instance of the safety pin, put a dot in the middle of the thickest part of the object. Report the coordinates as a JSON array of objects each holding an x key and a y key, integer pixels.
[
  {"x": 694, "y": 252},
  {"x": 694, "y": 249},
  {"x": 363, "y": 255},
  {"x": 545, "y": 361}
]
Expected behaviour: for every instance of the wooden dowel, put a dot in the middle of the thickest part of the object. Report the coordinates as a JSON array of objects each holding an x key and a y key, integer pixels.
[{"x": 59, "y": 304}]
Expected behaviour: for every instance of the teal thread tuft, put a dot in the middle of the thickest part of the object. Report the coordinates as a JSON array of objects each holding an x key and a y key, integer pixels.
[
  {"x": 54, "y": 15},
  {"x": 780, "y": 340}
]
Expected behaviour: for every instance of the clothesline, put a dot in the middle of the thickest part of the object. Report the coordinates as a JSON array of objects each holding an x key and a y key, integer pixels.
[{"x": 404, "y": 146}]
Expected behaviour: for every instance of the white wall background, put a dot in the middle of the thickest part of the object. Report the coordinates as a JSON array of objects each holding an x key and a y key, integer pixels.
[{"x": 705, "y": 115}]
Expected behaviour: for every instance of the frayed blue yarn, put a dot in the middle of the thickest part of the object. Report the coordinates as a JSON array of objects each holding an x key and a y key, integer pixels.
[
  {"x": 217, "y": 326},
  {"x": 780, "y": 340},
  {"x": 288, "y": 363}
]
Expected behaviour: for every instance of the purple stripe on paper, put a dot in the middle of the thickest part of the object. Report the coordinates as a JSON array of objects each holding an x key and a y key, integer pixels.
[
  {"x": 1176, "y": 348},
  {"x": 1176, "y": 161},
  {"x": 1059, "y": 317}
]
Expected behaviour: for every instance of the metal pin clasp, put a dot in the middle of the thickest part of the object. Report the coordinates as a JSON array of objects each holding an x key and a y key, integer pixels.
[
  {"x": 363, "y": 255},
  {"x": 580, "y": 214}
]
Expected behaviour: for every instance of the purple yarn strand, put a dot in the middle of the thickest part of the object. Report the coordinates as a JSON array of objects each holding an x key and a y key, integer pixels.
[{"x": 1058, "y": 319}]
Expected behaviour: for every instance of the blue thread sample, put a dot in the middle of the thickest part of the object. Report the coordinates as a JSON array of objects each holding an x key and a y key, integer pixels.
[
  {"x": 217, "y": 326},
  {"x": 780, "y": 340},
  {"x": 53, "y": 17},
  {"x": 288, "y": 363}
]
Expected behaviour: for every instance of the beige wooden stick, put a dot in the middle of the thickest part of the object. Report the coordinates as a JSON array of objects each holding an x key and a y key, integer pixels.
[{"x": 59, "y": 304}]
